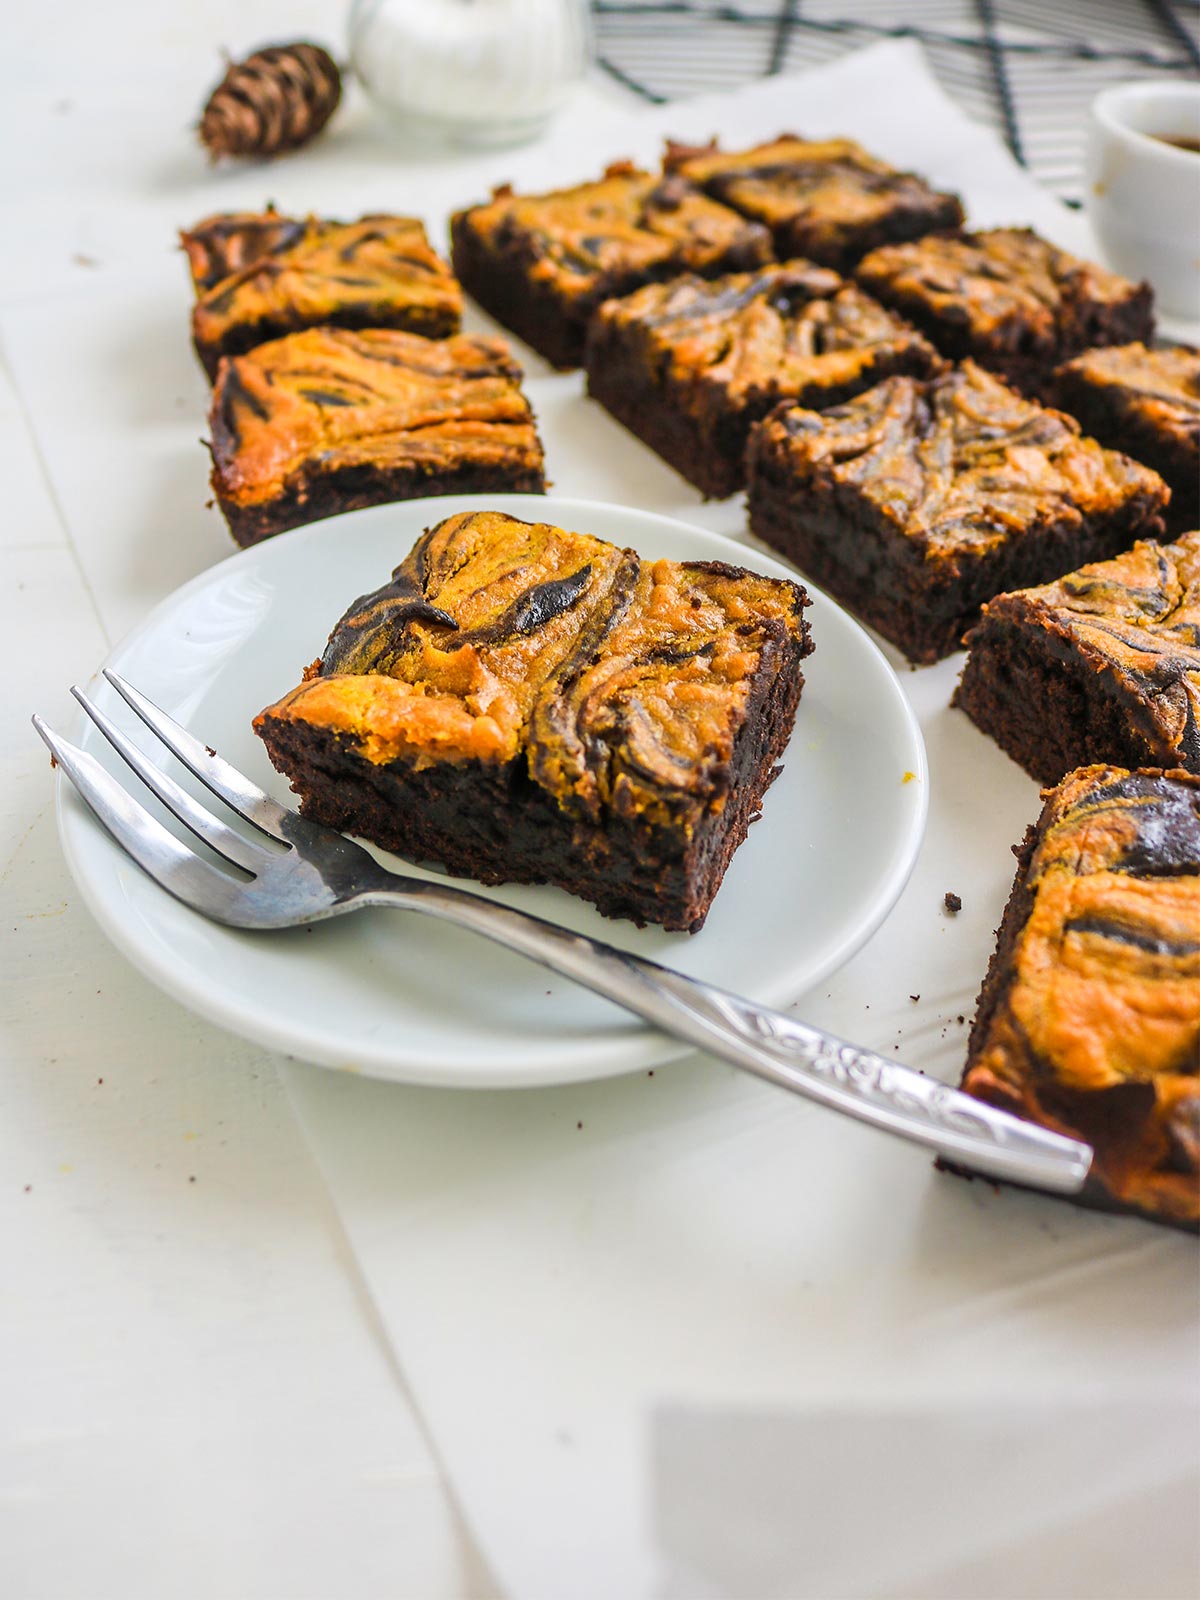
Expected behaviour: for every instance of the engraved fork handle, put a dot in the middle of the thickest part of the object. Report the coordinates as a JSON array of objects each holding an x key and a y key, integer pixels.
[{"x": 776, "y": 1047}]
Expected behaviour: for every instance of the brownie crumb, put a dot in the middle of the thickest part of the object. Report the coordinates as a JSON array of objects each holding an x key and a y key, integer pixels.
[
  {"x": 953, "y": 903},
  {"x": 960, "y": 1019},
  {"x": 579, "y": 1124}
]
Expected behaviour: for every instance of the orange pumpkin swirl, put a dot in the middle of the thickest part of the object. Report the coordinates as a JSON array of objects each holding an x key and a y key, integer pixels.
[
  {"x": 530, "y": 704},
  {"x": 1089, "y": 1018},
  {"x": 261, "y": 275},
  {"x": 1009, "y": 298},
  {"x": 541, "y": 264},
  {"x": 827, "y": 199},
  {"x": 1102, "y": 665},
  {"x": 1146, "y": 401},
  {"x": 690, "y": 365},
  {"x": 331, "y": 420}
]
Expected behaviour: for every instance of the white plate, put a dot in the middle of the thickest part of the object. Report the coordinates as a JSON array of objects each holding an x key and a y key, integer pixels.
[{"x": 400, "y": 997}]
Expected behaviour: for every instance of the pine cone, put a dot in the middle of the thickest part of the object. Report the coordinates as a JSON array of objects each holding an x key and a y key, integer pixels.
[{"x": 276, "y": 99}]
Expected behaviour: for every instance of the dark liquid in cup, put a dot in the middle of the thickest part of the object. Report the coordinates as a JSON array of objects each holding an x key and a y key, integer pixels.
[{"x": 1181, "y": 141}]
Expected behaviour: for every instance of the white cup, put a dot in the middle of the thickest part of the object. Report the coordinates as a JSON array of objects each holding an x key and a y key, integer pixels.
[{"x": 1143, "y": 192}]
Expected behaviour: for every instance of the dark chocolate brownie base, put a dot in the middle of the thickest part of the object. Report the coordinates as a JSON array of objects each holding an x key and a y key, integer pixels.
[
  {"x": 709, "y": 449},
  {"x": 1168, "y": 453},
  {"x": 496, "y": 825},
  {"x": 1048, "y": 714},
  {"x": 923, "y": 608},
  {"x": 311, "y": 498},
  {"x": 1087, "y": 1122},
  {"x": 502, "y": 286},
  {"x": 424, "y": 320}
]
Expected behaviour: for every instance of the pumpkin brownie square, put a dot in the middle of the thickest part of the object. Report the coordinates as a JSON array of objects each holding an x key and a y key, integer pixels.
[
  {"x": 259, "y": 275},
  {"x": 1008, "y": 298},
  {"x": 541, "y": 264},
  {"x": 1089, "y": 1017},
  {"x": 918, "y": 501},
  {"x": 1103, "y": 665},
  {"x": 689, "y": 365},
  {"x": 826, "y": 199},
  {"x": 329, "y": 420},
  {"x": 526, "y": 704},
  {"x": 1147, "y": 402}
]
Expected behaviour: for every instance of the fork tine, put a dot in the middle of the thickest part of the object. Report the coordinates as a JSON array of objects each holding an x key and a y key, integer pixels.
[
  {"x": 241, "y": 852},
  {"x": 226, "y": 782},
  {"x": 171, "y": 864}
]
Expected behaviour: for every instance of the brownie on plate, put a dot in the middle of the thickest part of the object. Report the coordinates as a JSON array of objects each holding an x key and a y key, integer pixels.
[
  {"x": 917, "y": 501},
  {"x": 530, "y": 705},
  {"x": 689, "y": 365},
  {"x": 827, "y": 199},
  {"x": 541, "y": 264},
  {"x": 259, "y": 275},
  {"x": 329, "y": 420},
  {"x": 1145, "y": 401},
  {"x": 1089, "y": 1017},
  {"x": 1103, "y": 665},
  {"x": 1009, "y": 298}
]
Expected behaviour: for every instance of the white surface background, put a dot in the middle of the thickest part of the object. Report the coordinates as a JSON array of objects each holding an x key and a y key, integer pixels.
[{"x": 208, "y": 1385}]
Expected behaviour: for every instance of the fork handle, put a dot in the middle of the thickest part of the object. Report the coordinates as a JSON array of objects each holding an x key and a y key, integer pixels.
[{"x": 771, "y": 1045}]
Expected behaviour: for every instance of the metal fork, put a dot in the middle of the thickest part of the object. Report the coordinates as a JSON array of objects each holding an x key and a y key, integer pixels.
[{"x": 319, "y": 873}]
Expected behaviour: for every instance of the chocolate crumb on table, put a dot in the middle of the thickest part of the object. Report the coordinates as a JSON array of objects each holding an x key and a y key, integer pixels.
[
  {"x": 260, "y": 275},
  {"x": 1089, "y": 1017},
  {"x": 918, "y": 501},
  {"x": 1146, "y": 402},
  {"x": 825, "y": 199},
  {"x": 1101, "y": 666},
  {"x": 331, "y": 420},
  {"x": 541, "y": 264},
  {"x": 1008, "y": 298},
  {"x": 689, "y": 365},
  {"x": 952, "y": 903},
  {"x": 526, "y": 704}
]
